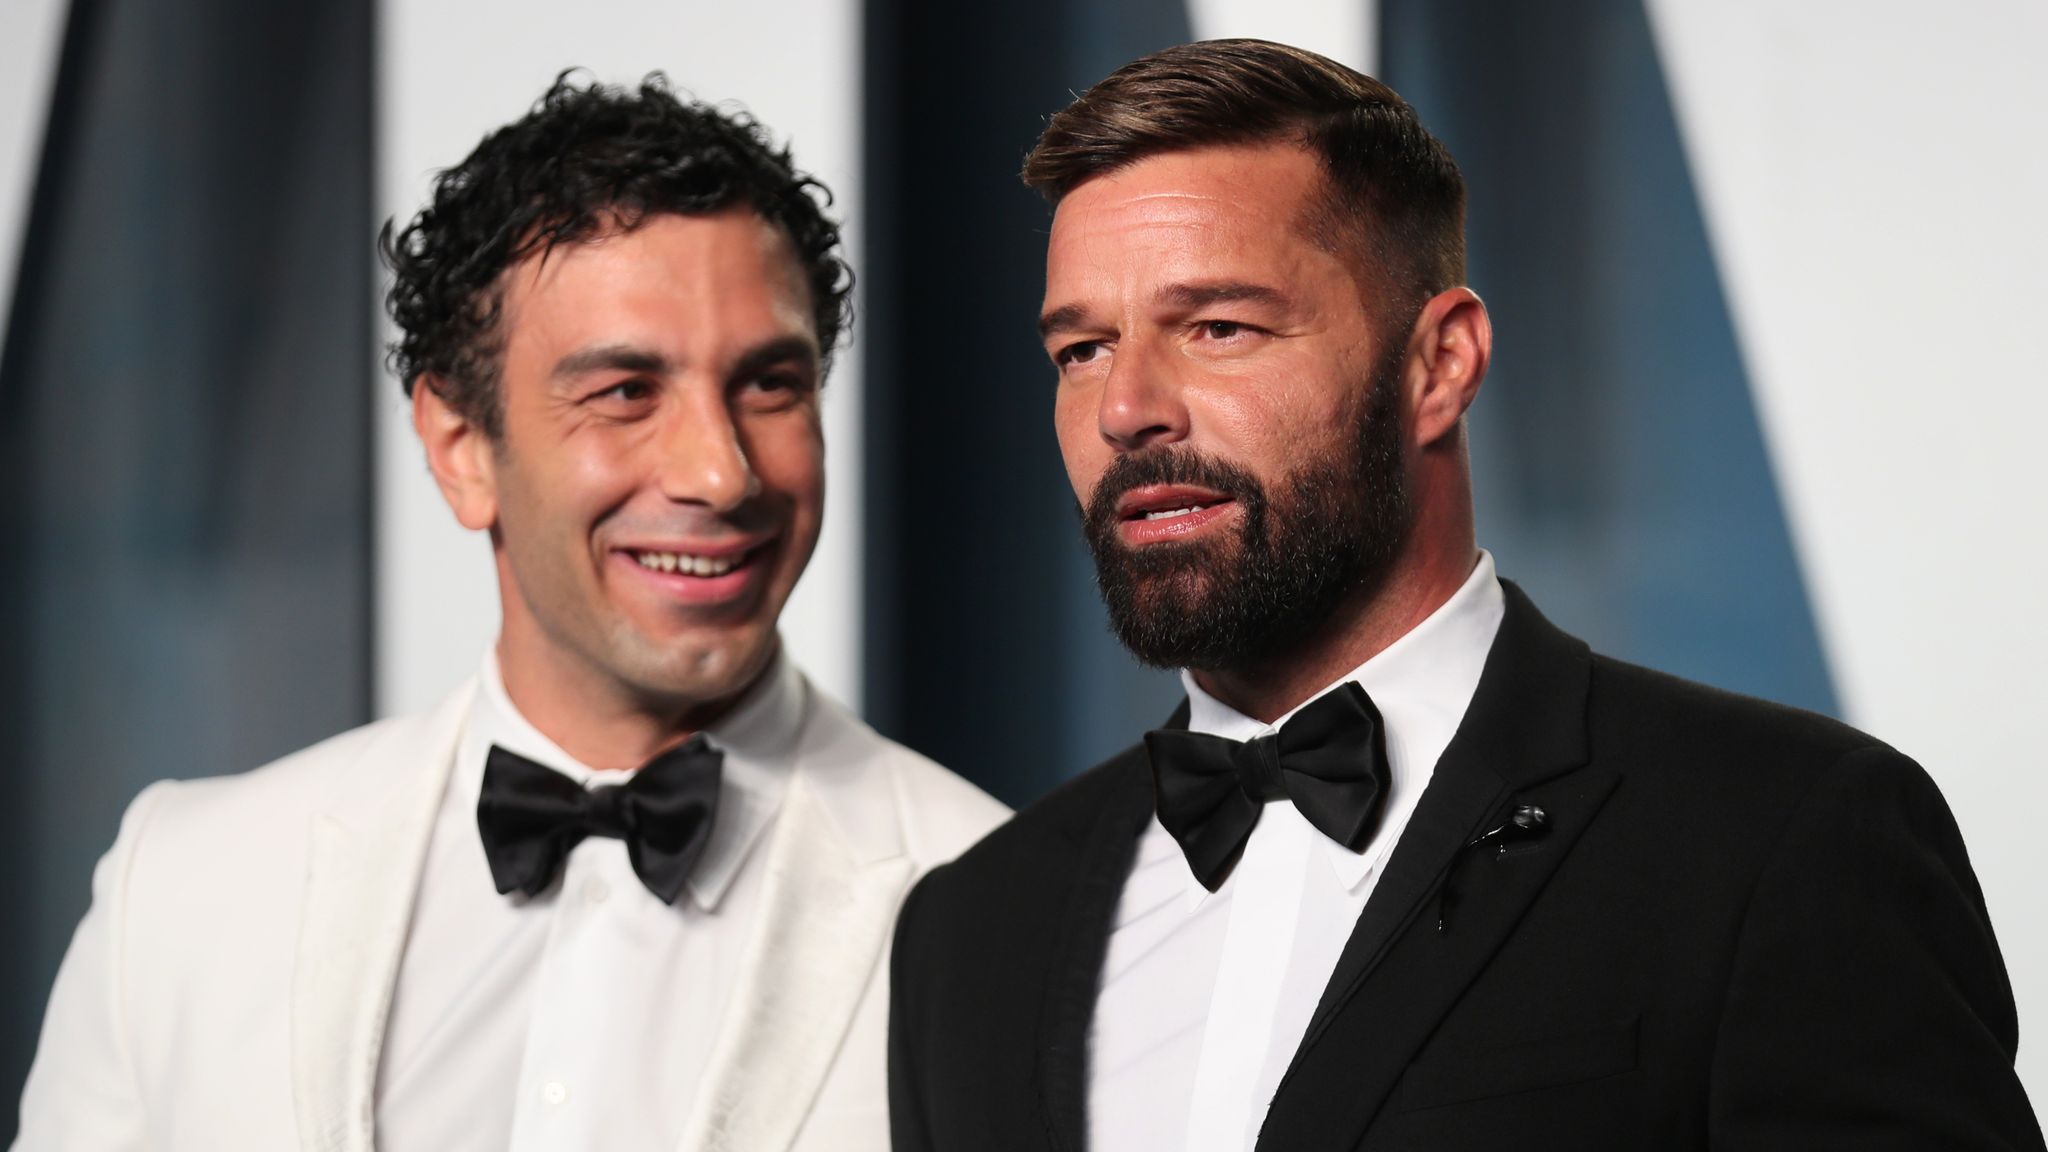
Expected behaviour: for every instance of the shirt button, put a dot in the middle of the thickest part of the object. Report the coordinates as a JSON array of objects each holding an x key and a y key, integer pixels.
[
  {"x": 596, "y": 890},
  {"x": 555, "y": 1092}
]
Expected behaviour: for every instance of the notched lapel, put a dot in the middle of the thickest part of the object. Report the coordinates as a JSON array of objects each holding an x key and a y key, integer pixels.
[
  {"x": 1342, "y": 1078},
  {"x": 825, "y": 918},
  {"x": 369, "y": 842},
  {"x": 1523, "y": 741}
]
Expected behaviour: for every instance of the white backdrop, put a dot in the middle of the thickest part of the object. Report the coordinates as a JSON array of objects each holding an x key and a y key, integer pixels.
[
  {"x": 1873, "y": 180},
  {"x": 453, "y": 70},
  {"x": 1346, "y": 31}
]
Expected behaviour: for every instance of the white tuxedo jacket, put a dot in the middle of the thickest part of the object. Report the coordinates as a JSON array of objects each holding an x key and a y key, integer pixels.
[{"x": 229, "y": 987}]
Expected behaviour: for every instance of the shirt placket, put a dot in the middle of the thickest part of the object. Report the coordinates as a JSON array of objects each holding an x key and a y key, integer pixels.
[
  {"x": 1265, "y": 907},
  {"x": 560, "y": 1087}
]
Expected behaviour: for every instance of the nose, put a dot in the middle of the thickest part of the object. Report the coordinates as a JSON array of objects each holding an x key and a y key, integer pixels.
[
  {"x": 1141, "y": 403},
  {"x": 702, "y": 458}
]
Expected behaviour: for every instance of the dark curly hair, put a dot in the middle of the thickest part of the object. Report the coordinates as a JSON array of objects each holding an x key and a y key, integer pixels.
[{"x": 588, "y": 158}]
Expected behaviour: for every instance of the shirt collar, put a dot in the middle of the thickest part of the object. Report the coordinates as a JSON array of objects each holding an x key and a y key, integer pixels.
[
  {"x": 1421, "y": 683},
  {"x": 759, "y": 738}
]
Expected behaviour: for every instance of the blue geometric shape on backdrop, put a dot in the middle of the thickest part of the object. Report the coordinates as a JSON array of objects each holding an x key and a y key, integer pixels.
[{"x": 1619, "y": 464}]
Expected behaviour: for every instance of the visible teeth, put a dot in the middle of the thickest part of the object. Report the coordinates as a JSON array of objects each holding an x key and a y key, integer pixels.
[
  {"x": 690, "y": 565},
  {"x": 1175, "y": 512}
]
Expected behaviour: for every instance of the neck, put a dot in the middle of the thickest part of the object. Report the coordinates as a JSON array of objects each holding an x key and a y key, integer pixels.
[
  {"x": 597, "y": 720},
  {"x": 1358, "y": 630}
]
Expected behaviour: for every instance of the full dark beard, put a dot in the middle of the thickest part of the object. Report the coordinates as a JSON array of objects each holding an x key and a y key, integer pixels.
[{"x": 1332, "y": 531}]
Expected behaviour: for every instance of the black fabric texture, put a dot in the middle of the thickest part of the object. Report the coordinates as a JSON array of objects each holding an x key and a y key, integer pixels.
[
  {"x": 530, "y": 816},
  {"x": 1742, "y": 926}
]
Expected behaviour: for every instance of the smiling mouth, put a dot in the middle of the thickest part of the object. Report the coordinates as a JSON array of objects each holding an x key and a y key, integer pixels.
[{"x": 685, "y": 564}]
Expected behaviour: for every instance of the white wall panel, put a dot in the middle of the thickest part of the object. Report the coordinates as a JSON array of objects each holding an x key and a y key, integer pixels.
[
  {"x": 1873, "y": 180},
  {"x": 31, "y": 32},
  {"x": 1346, "y": 31},
  {"x": 453, "y": 70}
]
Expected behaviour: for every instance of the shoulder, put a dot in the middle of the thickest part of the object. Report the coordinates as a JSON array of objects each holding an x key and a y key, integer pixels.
[
  {"x": 216, "y": 824},
  {"x": 1702, "y": 758},
  {"x": 1118, "y": 790},
  {"x": 1629, "y": 703},
  {"x": 939, "y": 813},
  {"x": 1661, "y": 727},
  {"x": 219, "y": 810}
]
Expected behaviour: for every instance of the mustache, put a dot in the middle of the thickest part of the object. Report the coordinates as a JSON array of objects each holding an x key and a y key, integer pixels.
[{"x": 1166, "y": 466}]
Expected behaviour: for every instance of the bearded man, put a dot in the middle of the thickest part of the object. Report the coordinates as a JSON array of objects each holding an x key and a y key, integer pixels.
[{"x": 1411, "y": 868}]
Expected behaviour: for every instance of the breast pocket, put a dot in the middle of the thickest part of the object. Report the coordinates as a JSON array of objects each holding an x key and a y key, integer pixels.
[{"x": 1524, "y": 1064}]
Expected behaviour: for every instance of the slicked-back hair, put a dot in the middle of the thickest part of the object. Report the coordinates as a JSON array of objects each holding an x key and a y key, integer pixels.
[
  {"x": 587, "y": 160},
  {"x": 1393, "y": 194}
]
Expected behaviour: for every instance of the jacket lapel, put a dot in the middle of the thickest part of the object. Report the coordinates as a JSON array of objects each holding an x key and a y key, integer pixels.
[
  {"x": 369, "y": 842},
  {"x": 1084, "y": 875},
  {"x": 1523, "y": 741},
  {"x": 837, "y": 871}
]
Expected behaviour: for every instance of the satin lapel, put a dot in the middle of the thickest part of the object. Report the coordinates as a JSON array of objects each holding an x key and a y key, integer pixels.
[
  {"x": 827, "y": 908},
  {"x": 1523, "y": 740},
  {"x": 369, "y": 842},
  {"x": 1083, "y": 878}
]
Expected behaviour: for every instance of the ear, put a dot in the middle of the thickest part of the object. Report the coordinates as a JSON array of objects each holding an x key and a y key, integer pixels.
[
  {"x": 460, "y": 455},
  {"x": 1448, "y": 351}
]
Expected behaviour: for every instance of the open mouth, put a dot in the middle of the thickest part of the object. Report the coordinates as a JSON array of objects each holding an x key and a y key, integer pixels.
[
  {"x": 1170, "y": 513},
  {"x": 1162, "y": 512},
  {"x": 686, "y": 564},
  {"x": 1160, "y": 502}
]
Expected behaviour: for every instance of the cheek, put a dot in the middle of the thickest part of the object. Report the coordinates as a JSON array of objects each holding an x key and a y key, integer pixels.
[
  {"x": 592, "y": 475},
  {"x": 787, "y": 454},
  {"x": 1294, "y": 407},
  {"x": 555, "y": 498},
  {"x": 1081, "y": 445}
]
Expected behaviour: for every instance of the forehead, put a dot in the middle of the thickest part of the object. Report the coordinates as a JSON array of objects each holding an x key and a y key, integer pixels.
[
  {"x": 676, "y": 278},
  {"x": 1195, "y": 208}
]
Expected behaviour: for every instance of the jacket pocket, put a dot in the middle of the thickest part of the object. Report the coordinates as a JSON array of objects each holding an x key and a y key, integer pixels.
[{"x": 1477, "y": 1072}]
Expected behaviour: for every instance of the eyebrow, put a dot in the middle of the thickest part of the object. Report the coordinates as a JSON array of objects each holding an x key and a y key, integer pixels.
[
  {"x": 1065, "y": 318},
  {"x": 634, "y": 358},
  {"x": 1186, "y": 297},
  {"x": 781, "y": 350},
  {"x": 1202, "y": 294},
  {"x": 609, "y": 358}
]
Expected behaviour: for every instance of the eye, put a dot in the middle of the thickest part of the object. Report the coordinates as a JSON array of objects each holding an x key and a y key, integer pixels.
[
  {"x": 1221, "y": 329},
  {"x": 1080, "y": 353},
  {"x": 630, "y": 391},
  {"x": 776, "y": 389}
]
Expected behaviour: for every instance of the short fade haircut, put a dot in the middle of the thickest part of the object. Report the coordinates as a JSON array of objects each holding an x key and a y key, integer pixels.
[
  {"x": 586, "y": 160},
  {"x": 1392, "y": 191}
]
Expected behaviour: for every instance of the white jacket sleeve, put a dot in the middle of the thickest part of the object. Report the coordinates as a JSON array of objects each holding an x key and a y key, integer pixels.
[{"x": 82, "y": 1093}]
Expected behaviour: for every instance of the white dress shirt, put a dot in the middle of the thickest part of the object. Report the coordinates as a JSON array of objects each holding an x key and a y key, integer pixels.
[
  {"x": 584, "y": 1017},
  {"x": 1206, "y": 996}
]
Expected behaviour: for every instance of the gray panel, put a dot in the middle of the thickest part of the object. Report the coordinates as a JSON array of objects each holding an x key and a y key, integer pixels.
[
  {"x": 987, "y": 646},
  {"x": 186, "y": 430}
]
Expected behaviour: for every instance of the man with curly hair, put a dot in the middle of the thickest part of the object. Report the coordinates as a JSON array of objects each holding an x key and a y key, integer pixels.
[{"x": 632, "y": 886}]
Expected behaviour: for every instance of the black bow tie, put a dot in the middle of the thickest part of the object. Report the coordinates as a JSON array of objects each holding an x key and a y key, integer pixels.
[
  {"x": 531, "y": 816},
  {"x": 1330, "y": 758}
]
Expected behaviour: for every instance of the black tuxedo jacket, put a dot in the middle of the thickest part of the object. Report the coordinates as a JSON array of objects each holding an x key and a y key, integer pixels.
[{"x": 1747, "y": 928}]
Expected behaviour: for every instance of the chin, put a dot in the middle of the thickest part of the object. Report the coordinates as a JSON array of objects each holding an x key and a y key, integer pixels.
[{"x": 699, "y": 669}]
